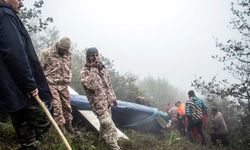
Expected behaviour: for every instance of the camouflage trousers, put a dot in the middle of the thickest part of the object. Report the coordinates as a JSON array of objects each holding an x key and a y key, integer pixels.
[
  {"x": 108, "y": 130},
  {"x": 61, "y": 104},
  {"x": 30, "y": 124}
]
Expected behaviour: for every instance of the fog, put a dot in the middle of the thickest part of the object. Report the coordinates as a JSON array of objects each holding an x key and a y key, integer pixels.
[{"x": 171, "y": 39}]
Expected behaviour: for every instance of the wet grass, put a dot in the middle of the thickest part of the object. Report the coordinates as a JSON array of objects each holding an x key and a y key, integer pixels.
[{"x": 89, "y": 140}]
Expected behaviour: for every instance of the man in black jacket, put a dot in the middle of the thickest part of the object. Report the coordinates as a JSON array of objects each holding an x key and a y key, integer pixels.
[{"x": 21, "y": 78}]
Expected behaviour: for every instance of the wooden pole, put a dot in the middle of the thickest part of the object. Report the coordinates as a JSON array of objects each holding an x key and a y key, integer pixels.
[{"x": 53, "y": 122}]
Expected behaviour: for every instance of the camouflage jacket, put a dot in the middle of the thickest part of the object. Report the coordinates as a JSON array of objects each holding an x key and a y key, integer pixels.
[
  {"x": 57, "y": 69},
  {"x": 98, "y": 88}
]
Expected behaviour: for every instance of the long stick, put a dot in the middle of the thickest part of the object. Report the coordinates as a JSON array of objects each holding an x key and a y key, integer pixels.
[{"x": 53, "y": 121}]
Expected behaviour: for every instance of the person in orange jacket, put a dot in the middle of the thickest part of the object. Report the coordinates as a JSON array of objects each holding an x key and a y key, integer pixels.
[{"x": 181, "y": 116}]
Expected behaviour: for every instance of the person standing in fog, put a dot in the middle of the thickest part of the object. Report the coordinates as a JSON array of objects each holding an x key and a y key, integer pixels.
[
  {"x": 21, "y": 78},
  {"x": 96, "y": 82},
  {"x": 195, "y": 110},
  {"x": 56, "y": 63},
  {"x": 219, "y": 128}
]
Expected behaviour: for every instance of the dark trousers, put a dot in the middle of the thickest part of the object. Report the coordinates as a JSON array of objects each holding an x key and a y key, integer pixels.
[
  {"x": 181, "y": 124},
  {"x": 30, "y": 124},
  {"x": 197, "y": 125},
  {"x": 219, "y": 139}
]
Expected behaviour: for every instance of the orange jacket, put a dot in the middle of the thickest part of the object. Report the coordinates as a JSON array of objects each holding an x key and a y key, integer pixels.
[{"x": 181, "y": 110}]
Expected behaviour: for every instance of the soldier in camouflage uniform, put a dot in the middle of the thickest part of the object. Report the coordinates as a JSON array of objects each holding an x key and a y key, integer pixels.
[
  {"x": 56, "y": 63},
  {"x": 97, "y": 85}
]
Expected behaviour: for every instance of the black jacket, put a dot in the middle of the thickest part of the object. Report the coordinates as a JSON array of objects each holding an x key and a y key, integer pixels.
[{"x": 20, "y": 70}]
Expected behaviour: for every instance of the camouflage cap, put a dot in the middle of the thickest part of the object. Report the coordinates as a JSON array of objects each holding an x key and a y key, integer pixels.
[{"x": 64, "y": 43}]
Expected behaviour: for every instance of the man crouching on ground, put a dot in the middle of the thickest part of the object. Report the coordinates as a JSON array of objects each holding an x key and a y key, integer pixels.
[{"x": 96, "y": 82}]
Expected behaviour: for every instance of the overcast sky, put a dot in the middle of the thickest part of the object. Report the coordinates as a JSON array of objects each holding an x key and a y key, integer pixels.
[{"x": 173, "y": 39}]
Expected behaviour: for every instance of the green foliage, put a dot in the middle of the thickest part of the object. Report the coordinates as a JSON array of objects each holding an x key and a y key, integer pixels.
[
  {"x": 235, "y": 56},
  {"x": 84, "y": 141},
  {"x": 125, "y": 86},
  {"x": 163, "y": 141},
  {"x": 78, "y": 61},
  {"x": 42, "y": 36},
  {"x": 7, "y": 129},
  {"x": 140, "y": 141},
  {"x": 89, "y": 140},
  {"x": 174, "y": 137},
  {"x": 236, "y": 59},
  {"x": 8, "y": 139},
  {"x": 45, "y": 39},
  {"x": 160, "y": 92},
  {"x": 32, "y": 19}
]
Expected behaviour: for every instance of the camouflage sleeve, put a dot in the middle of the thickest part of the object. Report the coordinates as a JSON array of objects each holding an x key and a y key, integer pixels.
[
  {"x": 43, "y": 59},
  {"x": 70, "y": 68},
  {"x": 113, "y": 98},
  {"x": 88, "y": 80},
  {"x": 111, "y": 87}
]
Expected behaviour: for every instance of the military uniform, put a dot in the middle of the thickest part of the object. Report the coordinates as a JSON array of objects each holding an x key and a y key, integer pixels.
[
  {"x": 57, "y": 69},
  {"x": 101, "y": 96}
]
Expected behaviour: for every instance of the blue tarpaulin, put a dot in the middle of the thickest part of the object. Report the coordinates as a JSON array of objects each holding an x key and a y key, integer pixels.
[{"x": 129, "y": 115}]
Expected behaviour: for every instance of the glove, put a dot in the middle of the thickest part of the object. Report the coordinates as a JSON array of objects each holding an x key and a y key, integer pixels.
[
  {"x": 114, "y": 103},
  {"x": 34, "y": 92}
]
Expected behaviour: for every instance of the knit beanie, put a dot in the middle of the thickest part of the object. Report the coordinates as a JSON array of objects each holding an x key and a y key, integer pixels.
[
  {"x": 90, "y": 51},
  {"x": 64, "y": 43}
]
